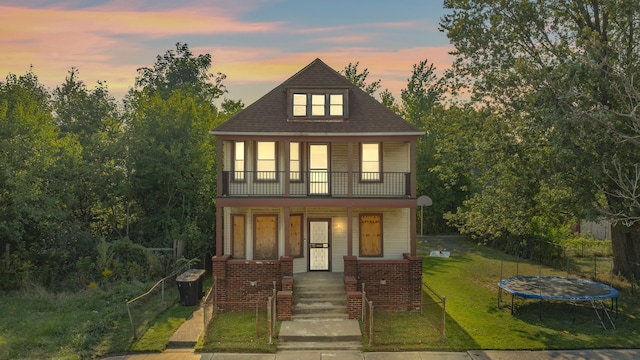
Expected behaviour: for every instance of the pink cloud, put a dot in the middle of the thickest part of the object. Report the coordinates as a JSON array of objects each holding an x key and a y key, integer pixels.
[
  {"x": 97, "y": 40},
  {"x": 345, "y": 39},
  {"x": 255, "y": 65}
]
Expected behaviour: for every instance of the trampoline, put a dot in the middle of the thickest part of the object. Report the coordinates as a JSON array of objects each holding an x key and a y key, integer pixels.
[{"x": 561, "y": 289}]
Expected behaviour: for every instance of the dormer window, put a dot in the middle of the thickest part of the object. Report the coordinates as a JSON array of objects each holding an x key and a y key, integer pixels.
[
  {"x": 299, "y": 104},
  {"x": 321, "y": 105},
  {"x": 336, "y": 104}
]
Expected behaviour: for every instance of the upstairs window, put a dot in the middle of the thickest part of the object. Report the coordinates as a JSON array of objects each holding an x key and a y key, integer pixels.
[
  {"x": 318, "y": 105},
  {"x": 266, "y": 160},
  {"x": 238, "y": 161},
  {"x": 299, "y": 104},
  {"x": 336, "y": 104},
  {"x": 370, "y": 165},
  {"x": 294, "y": 161}
]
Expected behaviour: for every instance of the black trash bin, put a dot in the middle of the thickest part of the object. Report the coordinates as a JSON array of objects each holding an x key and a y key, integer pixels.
[{"x": 190, "y": 286}]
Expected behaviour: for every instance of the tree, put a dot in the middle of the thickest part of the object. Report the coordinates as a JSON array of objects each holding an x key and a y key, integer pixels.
[
  {"x": 420, "y": 100},
  {"x": 93, "y": 119},
  {"x": 36, "y": 227},
  {"x": 171, "y": 154},
  {"x": 360, "y": 78},
  {"x": 228, "y": 109},
  {"x": 180, "y": 69},
  {"x": 562, "y": 72},
  {"x": 423, "y": 91}
]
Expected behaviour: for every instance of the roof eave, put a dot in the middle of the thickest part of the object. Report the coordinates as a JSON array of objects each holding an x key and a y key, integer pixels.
[{"x": 315, "y": 134}]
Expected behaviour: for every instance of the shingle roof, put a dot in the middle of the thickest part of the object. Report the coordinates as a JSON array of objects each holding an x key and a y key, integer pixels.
[{"x": 268, "y": 115}]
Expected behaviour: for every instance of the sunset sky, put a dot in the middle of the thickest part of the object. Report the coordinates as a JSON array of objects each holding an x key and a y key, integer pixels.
[{"x": 256, "y": 43}]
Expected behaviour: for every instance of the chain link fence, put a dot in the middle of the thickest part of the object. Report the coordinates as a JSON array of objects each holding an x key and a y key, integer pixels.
[{"x": 587, "y": 259}]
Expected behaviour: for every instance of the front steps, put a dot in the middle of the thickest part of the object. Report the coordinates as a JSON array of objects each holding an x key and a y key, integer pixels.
[
  {"x": 319, "y": 320},
  {"x": 319, "y": 295}
]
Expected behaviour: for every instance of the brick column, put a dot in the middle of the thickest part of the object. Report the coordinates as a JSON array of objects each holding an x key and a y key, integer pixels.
[
  {"x": 219, "y": 264},
  {"x": 286, "y": 266},
  {"x": 350, "y": 283},
  {"x": 284, "y": 299},
  {"x": 354, "y": 304},
  {"x": 415, "y": 279},
  {"x": 287, "y": 283},
  {"x": 350, "y": 266}
]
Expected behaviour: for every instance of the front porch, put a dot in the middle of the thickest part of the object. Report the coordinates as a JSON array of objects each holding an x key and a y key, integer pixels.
[{"x": 393, "y": 284}]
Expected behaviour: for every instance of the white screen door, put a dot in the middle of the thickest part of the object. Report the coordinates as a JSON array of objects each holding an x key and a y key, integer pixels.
[{"x": 319, "y": 245}]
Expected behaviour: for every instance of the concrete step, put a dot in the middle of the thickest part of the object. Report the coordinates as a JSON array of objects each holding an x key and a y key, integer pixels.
[
  {"x": 319, "y": 308},
  {"x": 320, "y": 330},
  {"x": 321, "y": 316},
  {"x": 319, "y": 295},
  {"x": 336, "y": 345},
  {"x": 318, "y": 302},
  {"x": 333, "y": 289}
]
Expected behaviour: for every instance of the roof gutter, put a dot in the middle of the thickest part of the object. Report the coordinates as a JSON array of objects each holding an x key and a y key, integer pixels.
[{"x": 316, "y": 134}]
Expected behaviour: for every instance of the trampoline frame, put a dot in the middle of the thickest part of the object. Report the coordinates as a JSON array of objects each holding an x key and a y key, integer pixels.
[{"x": 597, "y": 301}]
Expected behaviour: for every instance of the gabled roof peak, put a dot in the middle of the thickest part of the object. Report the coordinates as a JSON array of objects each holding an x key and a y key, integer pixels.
[{"x": 271, "y": 113}]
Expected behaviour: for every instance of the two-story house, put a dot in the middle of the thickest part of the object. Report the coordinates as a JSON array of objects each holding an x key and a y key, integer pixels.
[{"x": 317, "y": 175}]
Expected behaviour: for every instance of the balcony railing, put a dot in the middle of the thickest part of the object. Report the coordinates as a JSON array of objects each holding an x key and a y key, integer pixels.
[{"x": 316, "y": 183}]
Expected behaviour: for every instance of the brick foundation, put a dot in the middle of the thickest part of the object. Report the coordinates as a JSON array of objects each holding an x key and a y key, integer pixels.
[
  {"x": 242, "y": 283},
  {"x": 390, "y": 284}
]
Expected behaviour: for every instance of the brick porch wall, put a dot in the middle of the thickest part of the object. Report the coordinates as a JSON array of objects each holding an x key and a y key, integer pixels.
[
  {"x": 390, "y": 284},
  {"x": 242, "y": 283}
]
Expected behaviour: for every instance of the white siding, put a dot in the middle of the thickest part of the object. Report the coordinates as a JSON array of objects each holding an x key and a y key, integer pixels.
[
  {"x": 395, "y": 157},
  {"x": 396, "y": 238},
  {"x": 396, "y": 232},
  {"x": 339, "y": 156}
]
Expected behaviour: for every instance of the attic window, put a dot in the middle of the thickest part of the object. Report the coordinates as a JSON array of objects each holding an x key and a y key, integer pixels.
[
  {"x": 318, "y": 104},
  {"x": 336, "y": 104}
]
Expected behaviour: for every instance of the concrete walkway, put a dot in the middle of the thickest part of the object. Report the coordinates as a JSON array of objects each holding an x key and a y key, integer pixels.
[
  {"x": 189, "y": 332},
  {"x": 625, "y": 354}
]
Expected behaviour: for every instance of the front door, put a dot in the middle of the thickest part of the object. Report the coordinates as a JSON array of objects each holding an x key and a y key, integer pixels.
[{"x": 319, "y": 245}]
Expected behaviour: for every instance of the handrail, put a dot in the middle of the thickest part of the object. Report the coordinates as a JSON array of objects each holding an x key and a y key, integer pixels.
[{"x": 314, "y": 183}]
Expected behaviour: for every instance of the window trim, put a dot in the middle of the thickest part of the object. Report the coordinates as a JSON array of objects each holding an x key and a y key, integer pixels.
[
  {"x": 360, "y": 216},
  {"x": 300, "y": 160},
  {"x": 255, "y": 238},
  {"x": 301, "y": 240},
  {"x": 244, "y": 221},
  {"x": 363, "y": 179},
  {"x": 310, "y": 92},
  {"x": 311, "y": 179},
  {"x": 234, "y": 171},
  {"x": 256, "y": 175}
]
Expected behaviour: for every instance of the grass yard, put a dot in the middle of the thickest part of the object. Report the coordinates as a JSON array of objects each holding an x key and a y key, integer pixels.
[
  {"x": 37, "y": 324},
  {"x": 239, "y": 331},
  {"x": 93, "y": 323},
  {"x": 468, "y": 279},
  {"x": 156, "y": 338}
]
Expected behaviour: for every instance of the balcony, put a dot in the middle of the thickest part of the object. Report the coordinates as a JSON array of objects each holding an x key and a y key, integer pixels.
[{"x": 316, "y": 184}]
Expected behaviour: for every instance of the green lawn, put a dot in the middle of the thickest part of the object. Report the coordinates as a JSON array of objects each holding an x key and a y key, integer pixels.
[
  {"x": 156, "y": 338},
  {"x": 239, "y": 331},
  {"x": 468, "y": 279},
  {"x": 37, "y": 324},
  {"x": 94, "y": 322}
]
